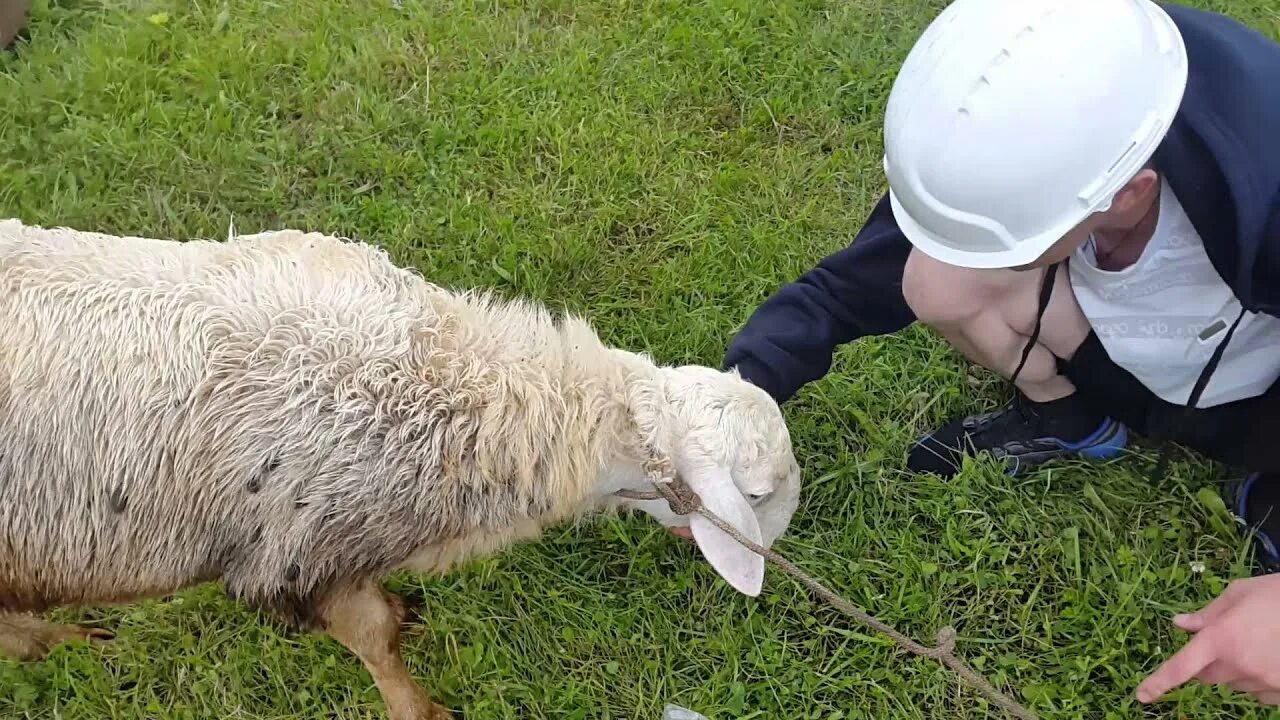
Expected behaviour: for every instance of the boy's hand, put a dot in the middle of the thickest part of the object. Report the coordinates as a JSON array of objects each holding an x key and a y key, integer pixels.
[{"x": 1236, "y": 643}]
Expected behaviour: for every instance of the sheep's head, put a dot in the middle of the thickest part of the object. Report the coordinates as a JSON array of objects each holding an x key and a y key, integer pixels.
[{"x": 728, "y": 441}]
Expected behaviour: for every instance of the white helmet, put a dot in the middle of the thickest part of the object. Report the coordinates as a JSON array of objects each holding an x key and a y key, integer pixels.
[{"x": 1014, "y": 120}]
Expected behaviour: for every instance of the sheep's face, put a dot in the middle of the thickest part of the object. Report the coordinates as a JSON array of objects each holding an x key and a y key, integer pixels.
[{"x": 727, "y": 439}]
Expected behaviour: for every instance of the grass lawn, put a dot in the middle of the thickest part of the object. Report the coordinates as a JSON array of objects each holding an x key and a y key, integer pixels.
[{"x": 660, "y": 167}]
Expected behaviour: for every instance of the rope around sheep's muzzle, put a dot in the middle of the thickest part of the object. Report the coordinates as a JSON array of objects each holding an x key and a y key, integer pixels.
[{"x": 684, "y": 501}]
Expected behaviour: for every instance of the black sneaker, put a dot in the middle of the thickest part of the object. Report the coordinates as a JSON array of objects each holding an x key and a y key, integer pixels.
[
  {"x": 1025, "y": 434},
  {"x": 1256, "y": 504}
]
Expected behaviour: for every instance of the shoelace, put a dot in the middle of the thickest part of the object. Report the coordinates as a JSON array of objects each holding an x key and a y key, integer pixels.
[{"x": 1046, "y": 294}]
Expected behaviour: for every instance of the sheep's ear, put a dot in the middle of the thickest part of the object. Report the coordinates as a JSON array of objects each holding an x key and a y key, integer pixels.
[{"x": 740, "y": 567}]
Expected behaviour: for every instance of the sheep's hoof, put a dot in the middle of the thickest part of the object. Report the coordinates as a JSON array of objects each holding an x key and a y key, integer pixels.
[
  {"x": 54, "y": 635},
  {"x": 438, "y": 712},
  {"x": 431, "y": 712},
  {"x": 99, "y": 636},
  {"x": 32, "y": 639}
]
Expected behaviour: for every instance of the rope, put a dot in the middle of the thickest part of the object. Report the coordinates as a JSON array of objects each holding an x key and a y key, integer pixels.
[{"x": 684, "y": 501}]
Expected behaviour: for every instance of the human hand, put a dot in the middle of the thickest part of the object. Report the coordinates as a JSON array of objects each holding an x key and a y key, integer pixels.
[{"x": 1236, "y": 643}]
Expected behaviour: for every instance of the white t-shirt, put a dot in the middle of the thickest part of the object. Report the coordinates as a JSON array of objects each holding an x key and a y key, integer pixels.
[{"x": 1162, "y": 317}]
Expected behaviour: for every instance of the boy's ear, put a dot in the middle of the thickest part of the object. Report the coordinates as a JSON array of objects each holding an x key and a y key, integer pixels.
[{"x": 1139, "y": 188}]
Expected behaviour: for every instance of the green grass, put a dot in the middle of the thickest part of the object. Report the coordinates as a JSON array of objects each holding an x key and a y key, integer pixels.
[{"x": 659, "y": 167}]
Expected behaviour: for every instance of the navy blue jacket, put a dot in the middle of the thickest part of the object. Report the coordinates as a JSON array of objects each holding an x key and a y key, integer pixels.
[{"x": 1221, "y": 157}]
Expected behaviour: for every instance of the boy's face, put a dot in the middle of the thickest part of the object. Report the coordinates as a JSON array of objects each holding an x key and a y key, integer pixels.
[
  {"x": 1067, "y": 245},
  {"x": 1129, "y": 207}
]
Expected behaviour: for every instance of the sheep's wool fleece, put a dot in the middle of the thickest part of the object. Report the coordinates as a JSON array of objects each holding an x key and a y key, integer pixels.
[{"x": 286, "y": 411}]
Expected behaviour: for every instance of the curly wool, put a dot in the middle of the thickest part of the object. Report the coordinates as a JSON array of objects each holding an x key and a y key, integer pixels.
[{"x": 285, "y": 411}]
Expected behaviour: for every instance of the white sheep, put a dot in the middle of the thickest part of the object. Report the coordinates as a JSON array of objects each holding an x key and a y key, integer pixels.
[{"x": 296, "y": 416}]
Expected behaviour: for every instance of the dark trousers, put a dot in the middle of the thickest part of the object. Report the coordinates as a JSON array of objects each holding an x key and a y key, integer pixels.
[{"x": 1243, "y": 434}]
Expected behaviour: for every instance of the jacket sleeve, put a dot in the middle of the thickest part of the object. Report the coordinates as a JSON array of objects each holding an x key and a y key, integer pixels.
[{"x": 856, "y": 292}]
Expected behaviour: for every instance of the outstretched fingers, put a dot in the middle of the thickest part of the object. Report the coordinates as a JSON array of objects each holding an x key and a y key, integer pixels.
[
  {"x": 1186, "y": 664},
  {"x": 1197, "y": 621}
]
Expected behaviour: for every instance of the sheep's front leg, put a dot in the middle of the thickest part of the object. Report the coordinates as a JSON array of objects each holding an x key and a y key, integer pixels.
[
  {"x": 26, "y": 637},
  {"x": 367, "y": 621}
]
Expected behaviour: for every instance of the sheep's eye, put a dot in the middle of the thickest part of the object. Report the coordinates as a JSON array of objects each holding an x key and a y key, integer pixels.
[{"x": 757, "y": 497}]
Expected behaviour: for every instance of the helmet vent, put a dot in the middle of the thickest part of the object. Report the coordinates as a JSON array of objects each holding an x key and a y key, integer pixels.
[{"x": 1132, "y": 145}]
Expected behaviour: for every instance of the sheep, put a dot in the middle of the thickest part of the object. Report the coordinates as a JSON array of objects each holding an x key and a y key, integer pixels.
[{"x": 294, "y": 415}]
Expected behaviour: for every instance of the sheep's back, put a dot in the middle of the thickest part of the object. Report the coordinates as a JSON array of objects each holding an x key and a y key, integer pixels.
[
  {"x": 162, "y": 403},
  {"x": 283, "y": 410}
]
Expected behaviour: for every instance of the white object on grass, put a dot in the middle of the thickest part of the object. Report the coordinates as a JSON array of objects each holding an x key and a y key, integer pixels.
[{"x": 675, "y": 712}]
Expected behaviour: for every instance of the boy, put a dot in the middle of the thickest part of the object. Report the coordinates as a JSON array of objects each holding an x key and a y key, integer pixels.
[{"x": 1084, "y": 197}]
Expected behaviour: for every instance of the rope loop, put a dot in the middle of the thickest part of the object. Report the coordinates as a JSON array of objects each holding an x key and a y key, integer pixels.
[{"x": 682, "y": 499}]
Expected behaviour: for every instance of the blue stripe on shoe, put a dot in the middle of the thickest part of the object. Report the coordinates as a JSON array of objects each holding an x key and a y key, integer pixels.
[
  {"x": 1108, "y": 441},
  {"x": 1264, "y": 541}
]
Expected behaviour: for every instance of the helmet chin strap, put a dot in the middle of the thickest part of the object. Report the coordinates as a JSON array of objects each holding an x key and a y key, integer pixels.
[{"x": 1046, "y": 294}]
